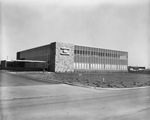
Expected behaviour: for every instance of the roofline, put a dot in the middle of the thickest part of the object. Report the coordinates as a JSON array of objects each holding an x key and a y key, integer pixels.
[
  {"x": 24, "y": 61},
  {"x": 74, "y": 46}
]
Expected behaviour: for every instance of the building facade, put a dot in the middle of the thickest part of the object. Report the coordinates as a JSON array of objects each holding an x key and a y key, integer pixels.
[
  {"x": 62, "y": 57},
  {"x": 22, "y": 65}
]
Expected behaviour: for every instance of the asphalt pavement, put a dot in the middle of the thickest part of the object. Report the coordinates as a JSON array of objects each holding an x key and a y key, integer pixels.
[{"x": 43, "y": 101}]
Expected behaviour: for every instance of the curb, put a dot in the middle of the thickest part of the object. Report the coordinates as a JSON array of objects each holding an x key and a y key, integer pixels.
[
  {"x": 134, "y": 88},
  {"x": 114, "y": 89}
]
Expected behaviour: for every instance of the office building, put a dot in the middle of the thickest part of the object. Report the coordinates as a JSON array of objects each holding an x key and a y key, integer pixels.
[{"x": 63, "y": 57}]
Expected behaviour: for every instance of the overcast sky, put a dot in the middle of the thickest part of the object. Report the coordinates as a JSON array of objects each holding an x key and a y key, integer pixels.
[{"x": 112, "y": 24}]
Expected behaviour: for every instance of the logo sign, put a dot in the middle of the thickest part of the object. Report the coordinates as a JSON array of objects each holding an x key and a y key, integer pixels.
[{"x": 64, "y": 51}]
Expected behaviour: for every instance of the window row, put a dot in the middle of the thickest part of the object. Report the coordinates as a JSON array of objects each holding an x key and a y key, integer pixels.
[
  {"x": 94, "y": 53},
  {"x": 99, "y": 66},
  {"x": 98, "y": 60}
]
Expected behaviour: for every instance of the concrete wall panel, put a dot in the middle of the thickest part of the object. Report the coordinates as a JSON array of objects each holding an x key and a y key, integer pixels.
[{"x": 64, "y": 59}]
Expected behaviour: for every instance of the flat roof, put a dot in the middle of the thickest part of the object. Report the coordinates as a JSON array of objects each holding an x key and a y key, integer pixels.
[
  {"x": 24, "y": 61},
  {"x": 74, "y": 46}
]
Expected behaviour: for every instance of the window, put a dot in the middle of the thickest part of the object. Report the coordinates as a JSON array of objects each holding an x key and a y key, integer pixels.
[{"x": 106, "y": 54}]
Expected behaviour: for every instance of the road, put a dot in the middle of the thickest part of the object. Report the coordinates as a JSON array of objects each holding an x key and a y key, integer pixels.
[{"x": 64, "y": 102}]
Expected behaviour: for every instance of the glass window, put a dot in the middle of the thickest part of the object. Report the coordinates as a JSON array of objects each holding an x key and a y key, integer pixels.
[{"x": 106, "y": 54}]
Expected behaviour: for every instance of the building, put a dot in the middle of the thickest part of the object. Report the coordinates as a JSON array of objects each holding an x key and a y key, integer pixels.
[
  {"x": 23, "y": 65},
  {"x": 136, "y": 68},
  {"x": 62, "y": 57}
]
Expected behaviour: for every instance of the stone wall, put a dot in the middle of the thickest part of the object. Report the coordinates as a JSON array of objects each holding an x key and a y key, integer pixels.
[{"x": 64, "y": 57}]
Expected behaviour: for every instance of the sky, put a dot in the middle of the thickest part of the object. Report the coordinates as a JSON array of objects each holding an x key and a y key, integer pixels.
[{"x": 112, "y": 24}]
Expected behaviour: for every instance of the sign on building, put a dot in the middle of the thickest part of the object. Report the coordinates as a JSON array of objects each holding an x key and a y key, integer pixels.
[{"x": 64, "y": 51}]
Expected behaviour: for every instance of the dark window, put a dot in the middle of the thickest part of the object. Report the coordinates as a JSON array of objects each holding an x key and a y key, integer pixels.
[
  {"x": 93, "y": 53},
  {"x": 84, "y": 52},
  {"x": 75, "y": 51},
  {"x": 99, "y": 54},
  {"x": 106, "y": 54},
  {"x": 80, "y": 52}
]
